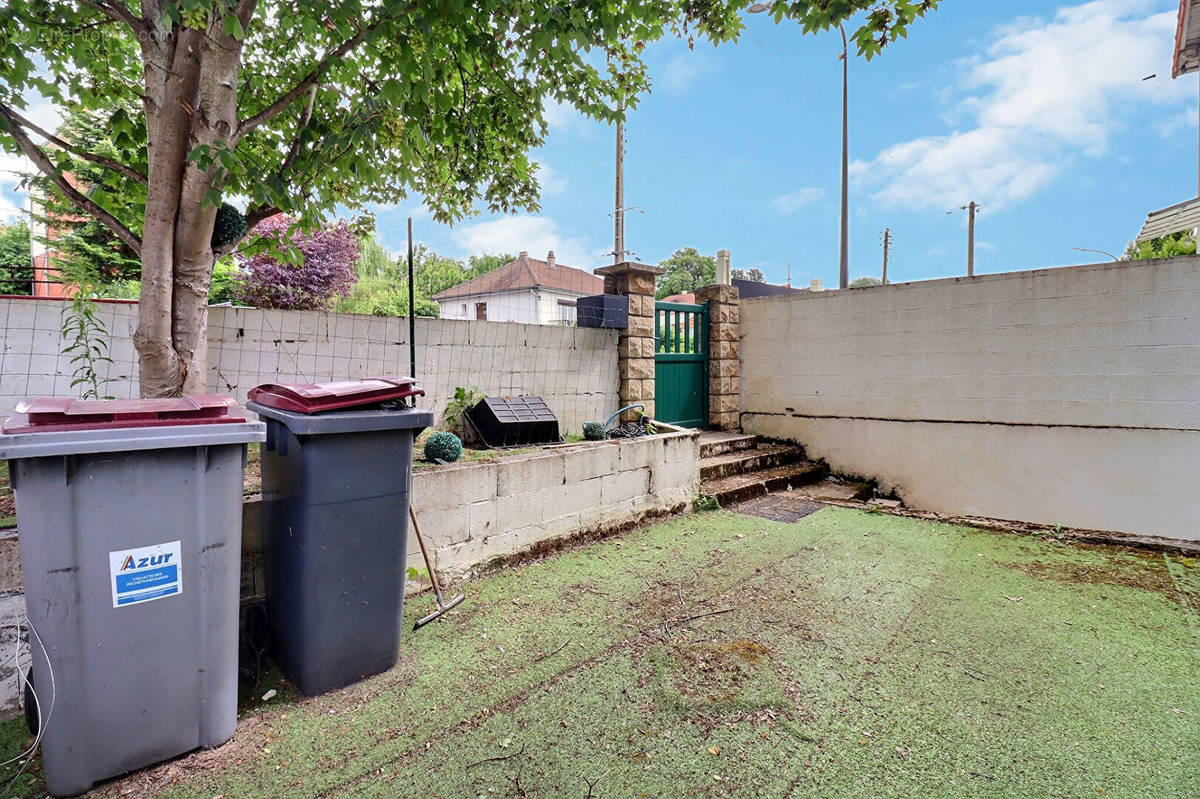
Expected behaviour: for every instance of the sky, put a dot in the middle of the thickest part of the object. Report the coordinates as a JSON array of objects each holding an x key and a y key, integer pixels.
[{"x": 1037, "y": 110}]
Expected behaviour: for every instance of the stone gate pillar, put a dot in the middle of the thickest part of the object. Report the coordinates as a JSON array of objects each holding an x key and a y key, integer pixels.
[
  {"x": 724, "y": 344},
  {"x": 635, "y": 351}
]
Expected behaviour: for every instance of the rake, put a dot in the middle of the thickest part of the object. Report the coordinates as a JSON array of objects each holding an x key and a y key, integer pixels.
[{"x": 442, "y": 606}]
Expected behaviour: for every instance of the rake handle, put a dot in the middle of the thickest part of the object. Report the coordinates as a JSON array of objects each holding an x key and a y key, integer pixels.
[{"x": 437, "y": 588}]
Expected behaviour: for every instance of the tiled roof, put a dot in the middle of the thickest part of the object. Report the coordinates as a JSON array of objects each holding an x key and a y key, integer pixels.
[{"x": 527, "y": 273}]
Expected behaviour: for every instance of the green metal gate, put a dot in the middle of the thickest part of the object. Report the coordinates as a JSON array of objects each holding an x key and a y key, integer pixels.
[{"x": 681, "y": 363}]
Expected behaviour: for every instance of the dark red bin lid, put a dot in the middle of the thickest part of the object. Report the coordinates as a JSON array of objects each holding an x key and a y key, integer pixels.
[
  {"x": 318, "y": 397},
  {"x": 50, "y": 414}
]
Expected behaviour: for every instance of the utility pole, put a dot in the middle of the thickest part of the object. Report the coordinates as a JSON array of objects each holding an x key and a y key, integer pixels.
[
  {"x": 619, "y": 213},
  {"x": 789, "y": 282},
  {"x": 887, "y": 243},
  {"x": 971, "y": 208},
  {"x": 844, "y": 274}
]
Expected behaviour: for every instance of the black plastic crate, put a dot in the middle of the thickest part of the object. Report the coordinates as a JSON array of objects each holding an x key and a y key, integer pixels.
[
  {"x": 602, "y": 310},
  {"x": 514, "y": 421}
]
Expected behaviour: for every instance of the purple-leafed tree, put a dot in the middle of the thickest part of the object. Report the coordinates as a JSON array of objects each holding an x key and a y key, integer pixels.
[{"x": 310, "y": 274}]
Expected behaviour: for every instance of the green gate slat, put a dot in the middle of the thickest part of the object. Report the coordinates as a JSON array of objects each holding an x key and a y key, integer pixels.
[{"x": 681, "y": 363}]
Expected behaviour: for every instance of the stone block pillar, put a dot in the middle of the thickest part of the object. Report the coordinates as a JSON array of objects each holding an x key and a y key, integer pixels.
[
  {"x": 635, "y": 360},
  {"x": 724, "y": 367}
]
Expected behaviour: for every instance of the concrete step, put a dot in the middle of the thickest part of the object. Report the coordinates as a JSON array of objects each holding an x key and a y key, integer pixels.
[
  {"x": 715, "y": 442},
  {"x": 738, "y": 487},
  {"x": 765, "y": 456},
  {"x": 835, "y": 489}
]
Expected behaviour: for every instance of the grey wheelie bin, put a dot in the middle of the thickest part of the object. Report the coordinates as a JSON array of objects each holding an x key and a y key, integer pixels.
[
  {"x": 129, "y": 515},
  {"x": 337, "y": 468}
]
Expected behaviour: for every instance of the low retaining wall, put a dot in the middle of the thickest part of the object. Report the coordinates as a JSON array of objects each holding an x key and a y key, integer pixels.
[{"x": 474, "y": 514}]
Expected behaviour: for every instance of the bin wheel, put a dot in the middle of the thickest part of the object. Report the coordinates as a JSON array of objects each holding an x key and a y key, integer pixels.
[{"x": 31, "y": 713}]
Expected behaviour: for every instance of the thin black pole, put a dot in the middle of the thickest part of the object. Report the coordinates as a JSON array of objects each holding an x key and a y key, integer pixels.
[{"x": 412, "y": 309}]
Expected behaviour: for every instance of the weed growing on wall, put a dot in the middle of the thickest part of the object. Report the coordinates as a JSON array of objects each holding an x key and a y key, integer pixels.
[
  {"x": 86, "y": 338},
  {"x": 464, "y": 398}
]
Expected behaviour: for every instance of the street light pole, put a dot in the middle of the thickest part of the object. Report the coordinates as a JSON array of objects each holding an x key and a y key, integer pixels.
[
  {"x": 844, "y": 266},
  {"x": 844, "y": 273}
]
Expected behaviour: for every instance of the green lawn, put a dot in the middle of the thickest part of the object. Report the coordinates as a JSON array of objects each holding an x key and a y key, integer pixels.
[{"x": 847, "y": 655}]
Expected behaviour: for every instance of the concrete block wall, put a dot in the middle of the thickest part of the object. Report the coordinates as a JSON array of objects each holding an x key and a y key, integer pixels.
[
  {"x": 1060, "y": 396},
  {"x": 573, "y": 369},
  {"x": 32, "y": 361},
  {"x": 476, "y": 513}
]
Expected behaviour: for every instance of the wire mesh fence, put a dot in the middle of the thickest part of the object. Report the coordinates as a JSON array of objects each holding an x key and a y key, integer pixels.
[{"x": 574, "y": 369}]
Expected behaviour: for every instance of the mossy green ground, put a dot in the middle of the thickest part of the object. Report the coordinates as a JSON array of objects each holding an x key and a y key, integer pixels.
[{"x": 846, "y": 655}]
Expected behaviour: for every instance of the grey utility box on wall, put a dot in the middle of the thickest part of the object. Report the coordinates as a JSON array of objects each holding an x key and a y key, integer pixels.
[{"x": 602, "y": 310}]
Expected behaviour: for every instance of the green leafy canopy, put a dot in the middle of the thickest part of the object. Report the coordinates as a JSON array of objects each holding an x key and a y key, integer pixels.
[
  {"x": 366, "y": 102},
  {"x": 687, "y": 270}
]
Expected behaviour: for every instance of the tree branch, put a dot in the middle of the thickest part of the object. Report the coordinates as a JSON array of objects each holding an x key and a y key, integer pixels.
[
  {"x": 305, "y": 118},
  {"x": 256, "y": 215},
  {"x": 115, "y": 9},
  {"x": 43, "y": 163},
  {"x": 292, "y": 94},
  {"x": 124, "y": 169}
]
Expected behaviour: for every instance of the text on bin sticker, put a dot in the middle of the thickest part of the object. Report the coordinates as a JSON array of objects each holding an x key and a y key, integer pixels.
[{"x": 146, "y": 573}]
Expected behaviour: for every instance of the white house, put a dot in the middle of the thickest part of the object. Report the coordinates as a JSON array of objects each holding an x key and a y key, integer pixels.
[{"x": 525, "y": 290}]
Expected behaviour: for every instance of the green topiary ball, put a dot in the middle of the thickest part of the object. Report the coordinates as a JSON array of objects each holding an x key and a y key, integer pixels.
[
  {"x": 228, "y": 228},
  {"x": 443, "y": 447},
  {"x": 594, "y": 431}
]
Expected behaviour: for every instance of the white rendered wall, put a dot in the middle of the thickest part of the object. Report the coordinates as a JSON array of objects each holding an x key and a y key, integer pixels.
[{"x": 1061, "y": 396}]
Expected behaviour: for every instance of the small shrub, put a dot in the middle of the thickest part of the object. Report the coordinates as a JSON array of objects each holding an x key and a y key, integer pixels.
[
  {"x": 703, "y": 502},
  {"x": 593, "y": 431},
  {"x": 229, "y": 227},
  {"x": 444, "y": 447}
]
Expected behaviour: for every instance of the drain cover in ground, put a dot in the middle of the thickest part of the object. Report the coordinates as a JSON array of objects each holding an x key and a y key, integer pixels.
[{"x": 780, "y": 507}]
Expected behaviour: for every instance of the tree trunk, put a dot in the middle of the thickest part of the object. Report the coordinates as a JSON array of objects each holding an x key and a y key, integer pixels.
[{"x": 191, "y": 100}]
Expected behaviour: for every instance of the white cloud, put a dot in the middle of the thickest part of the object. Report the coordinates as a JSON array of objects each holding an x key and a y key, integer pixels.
[
  {"x": 9, "y": 212},
  {"x": 682, "y": 70},
  {"x": 996, "y": 165},
  {"x": 1171, "y": 125},
  {"x": 562, "y": 116},
  {"x": 44, "y": 114},
  {"x": 550, "y": 180},
  {"x": 13, "y": 166},
  {"x": 790, "y": 203},
  {"x": 1042, "y": 93},
  {"x": 535, "y": 234},
  {"x": 12, "y": 200}
]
